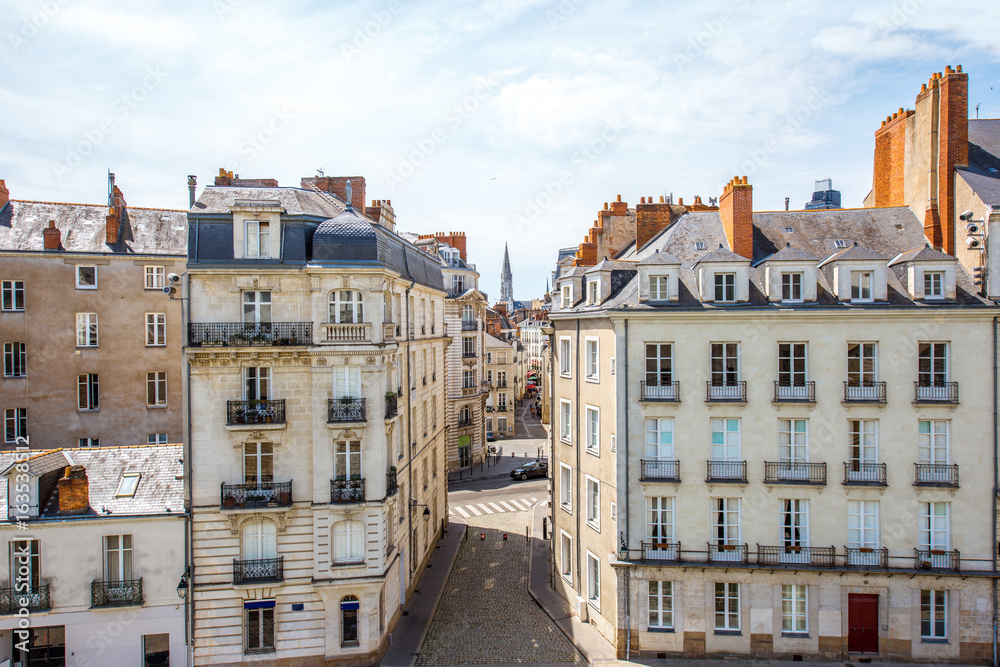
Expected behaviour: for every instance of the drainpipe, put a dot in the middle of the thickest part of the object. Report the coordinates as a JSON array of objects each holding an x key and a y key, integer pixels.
[
  {"x": 576, "y": 510},
  {"x": 623, "y": 451},
  {"x": 993, "y": 503},
  {"x": 409, "y": 431},
  {"x": 189, "y": 502}
]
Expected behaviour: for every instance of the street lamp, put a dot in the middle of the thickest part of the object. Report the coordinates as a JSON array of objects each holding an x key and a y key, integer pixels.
[
  {"x": 426, "y": 512},
  {"x": 182, "y": 587}
]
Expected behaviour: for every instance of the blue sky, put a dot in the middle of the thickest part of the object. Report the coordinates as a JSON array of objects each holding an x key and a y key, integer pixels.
[{"x": 511, "y": 120}]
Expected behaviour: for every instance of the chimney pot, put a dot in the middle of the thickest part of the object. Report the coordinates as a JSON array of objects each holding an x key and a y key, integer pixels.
[
  {"x": 958, "y": 68},
  {"x": 619, "y": 197},
  {"x": 51, "y": 237},
  {"x": 680, "y": 201},
  {"x": 661, "y": 199}
]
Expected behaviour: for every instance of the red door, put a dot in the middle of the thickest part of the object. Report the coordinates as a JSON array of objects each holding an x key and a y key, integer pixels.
[{"x": 862, "y": 623}]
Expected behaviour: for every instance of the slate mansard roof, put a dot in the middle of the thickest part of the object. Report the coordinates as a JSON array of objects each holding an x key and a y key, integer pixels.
[{"x": 983, "y": 171}]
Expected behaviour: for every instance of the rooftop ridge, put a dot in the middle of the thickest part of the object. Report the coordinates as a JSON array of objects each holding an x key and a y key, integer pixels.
[{"x": 69, "y": 203}]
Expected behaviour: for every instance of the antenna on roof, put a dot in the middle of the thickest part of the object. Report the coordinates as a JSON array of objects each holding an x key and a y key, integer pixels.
[{"x": 320, "y": 172}]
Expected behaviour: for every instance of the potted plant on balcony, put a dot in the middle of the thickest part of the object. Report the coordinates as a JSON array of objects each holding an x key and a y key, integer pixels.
[{"x": 228, "y": 501}]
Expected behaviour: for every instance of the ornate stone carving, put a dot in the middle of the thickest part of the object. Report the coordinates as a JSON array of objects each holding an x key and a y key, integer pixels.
[
  {"x": 346, "y": 281},
  {"x": 279, "y": 518},
  {"x": 370, "y": 361},
  {"x": 348, "y": 434},
  {"x": 389, "y": 429},
  {"x": 321, "y": 361}
]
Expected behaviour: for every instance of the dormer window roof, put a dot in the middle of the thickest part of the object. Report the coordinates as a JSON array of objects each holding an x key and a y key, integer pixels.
[
  {"x": 854, "y": 253},
  {"x": 662, "y": 258},
  {"x": 723, "y": 277},
  {"x": 790, "y": 276},
  {"x": 929, "y": 273},
  {"x": 859, "y": 275}
]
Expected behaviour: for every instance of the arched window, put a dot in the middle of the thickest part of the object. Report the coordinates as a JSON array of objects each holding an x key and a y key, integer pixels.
[
  {"x": 348, "y": 541},
  {"x": 346, "y": 307},
  {"x": 260, "y": 540},
  {"x": 464, "y": 415},
  {"x": 349, "y": 607}
]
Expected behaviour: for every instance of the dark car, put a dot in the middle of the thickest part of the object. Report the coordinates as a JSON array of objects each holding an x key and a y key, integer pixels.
[{"x": 533, "y": 469}]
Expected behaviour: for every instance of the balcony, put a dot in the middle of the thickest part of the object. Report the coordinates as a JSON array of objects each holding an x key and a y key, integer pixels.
[
  {"x": 940, "y": 392},
  {"x": 936, "y": 474},
  {"x": 262, "y": 570},
  {"x": 116, "y": 593},
  {"x": 787, "y": 472},
  {"x": 255, "y": 412},
  {"x": 468, "y": 354},
  {"x": 936, "y": 559},
  {"x": 470, "y": 391},
  {"x": 243, "y": 334},
  {"x": 390, "y": 405},
  {"x": 390, "y": 482},
  {"x": 661, "y": 551},
  {"x": 660, "y": 391},
  {"x": 340, "y": 410},
  {"x": 462, "y": 423},
  {"x": 653, "y": 470},
  {"x": 727, "y": 471},
  {"x": 334, "y": 333},
  {"x": 796, "y": 392},
  {"x": 727, "y": 553},
  {"x": 784, "y": 555},
  {"x": 866, "y": 557},
  {"x": 864, "y": 474},
  {"x": 731, "y": 391},
  {"x": 470, "y": 326},
  {"x": 868, "y": 391},
  {"x": 347, "y": 491},
  {"x": 12, "y": 601},
  {"x": 262, "y": 494}
]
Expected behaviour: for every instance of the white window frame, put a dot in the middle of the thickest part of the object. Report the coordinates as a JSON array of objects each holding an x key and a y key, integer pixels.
[
  {"x": 592, "y": 359},
  {"x": 935, "y": 281},
  {"x": 793, "y": 530},
  {"x": 593, "y": 580},
  {"x": 866, "y": 355},
  {"x": 726, "y": 282},
  {"x": 566, "y": 421},
  {"x": 566, "y": 556},
  {"x": 793, "y": 442},
  {"x": 863, "y": 524},
  {"x": 156, "y": 329},
  {"x": 156, "y": 389},
  {"x": 791, "y": 287},
  {"x": 348, "y": 541},
  {"x": 934, "y": 377},
  {"x": 592, "y": 421},
  {"x": 933, "y": 615},
  {"x": 566, "y": 488},
  {"x": 156, "y": 277},
  {"x": 261, "y": 239},
  {"x": 794, "y": 609},
  {"x": 87, "y": 330},
  {"x": 660, "y": 438},
  {"x": 730, "y": 618},
  {"x": 934, "y": 443},
  {"x": 80, "y": 285},
  {"x": 12, "y": 294},
  {"x": 863, "y": 440},
  {"x": 727, "y": 521},
  {"x": 659, "y": 288},
  {"x": 355, "y": 307},
  {"x": 661, "y": 614},
  {"x": 88, "y": 442},
  {"x": 935, "y": 528},
  {"x": 593, "y": 496},
  {"x": 256, "y": 306},
  {"x": 862, "y": 282},
  {"x": 661, "y": 524},
  {"x": 156, "y": 439},
  {"x": 726, "y": 441},
  {"x": 15, "y": 358},
  {"x": 15, "y": 424},
  {"x": 593, "y": 292},
  {"x": 565, "y": 356}
]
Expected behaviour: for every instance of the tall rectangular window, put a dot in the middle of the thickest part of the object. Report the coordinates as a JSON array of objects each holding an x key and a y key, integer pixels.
[
  {"x": 861, "y": 286},
  {"x": 791, "y": 287},
  {"x": 257, "y": 383},
  {"x": 725, "y": 439},
  {"x": 792, "y": 364},
  {"x": 26, "y": 563},
  {"x": 593, "y": 360},
  {"x": 659, "y": 288},
  {"x": 259, "y": 627},
  {"x": 15, "y": 424},
  {"x": 468, "y": 346},
  {"x": 794, "y": 609},
  {"x": 862, "y": 367},
  {"x": 933, "y": 614},
  {"x": 725, "y": 364},
  {"x": 12, "y": 292},
  {"x": 118, "y": 558},
  {"x": 862, "y": 524},
  {"x": 156, "y": 329},
  {"x": 593, "y": 290},
  {"x": 933, "y": 441},
  {"x": 726, "y": 521},
  {"x": 155, "y": 277},
  {"x": 795, "y": 523},
  {"x": 347, "y": 459},
  {"x": 935, "y": 531},
  {"x": 347, "y": 382},
  {"x": 88, "y": 394},
  {"x": 156, "y": 389},
  {"x": 660, "y": 439},
  {"x": 593, "y": 580},
  {"x": 793, "y": 441},
  {"x": 863, "y": 441},
  {"x": 258, "y": 235},
  {"x": 593, "y": 422},
  {"x": 14, "y": 360},
  {"x": 566, "y": 487},
  {"x": 725, "y": 287},
  {"x": 659, "y": 364},
  {"x": 565, "y": 421},
  {"x": 258, "y": 463},
  {"x": 661, "y": 605},
  {"x": 593, "y": 502},
  {"x": 727, "y": 607},
  {"x": 565, "y": 361},
  {"x": 659, "y": 520},
  {"x": 566, "y": 556},
  {"x": 86, "y": 329},
  {"x": 932, "y": 367}
]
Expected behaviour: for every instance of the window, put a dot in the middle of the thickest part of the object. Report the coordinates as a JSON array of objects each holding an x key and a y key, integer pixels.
[
  {"x": 347, "y": 382},
  {"x": 457, "y": 285},
  {"x": 795, "y": 523},
  {"x": 593, "y": 289},
  {"x": 468, "y": 315},
  {"x": 489, "y": 360},
  {"x": 565, "y": 421},
  {"x": 794, "y": 609},
  {"x": 155, "y": 277},
  {"x": 593, "y": 430},
  {"x": 26, "y": 555},
  {"x": 862, "y": 367},
  {"x": 12, "y": 295},
  {"x": 259, "y": 626},
  {"x": 932, "y": 368},
  {"x": 725, "y": 364},
  {"x": 614, "y": 513},
  {"x": 348, "y": 541},
  {"x": 468, "y": 346},
  {"x": 88, "y": 392},
  {"x": 660, "y": 439},
  {"x": 349, "y": 607},
  {"x": 117, "y": 558},
  {"x": 593, "y": 361},
  {"x": 346, "y": 307},
  {"x": 565, "y": 362},
  {"x": 258, "y": 233},
  {"x": 933, "y": 614},
  {"x": 156, "y": 439},
  {"x": 793, "y": 441},
  {"x": 725, "y": 521},
  {"x": 14, "y": 360},
  {"x": 156, "y": 329},
  {"x": 659, "y": 364},
  {"x": 864, "y": 441},
  {"x": 347, "y": 459},
  {"x": 661, "y": 605},
  {"x": 468, "y": 379},
  {"x": 791, "y": 287},
  {"x": 791, "y": 364},
  {"x": 16, "y": 424},
  {"x": 861, "y": 285},
  {"x": 156, "y": 389},
  {"x": 659, "y": 521},
  {"x": 260, "y": 540},
  {"x": 156, "y": 650},
  {"x": 727, "y": 607},
  {"x": 128, "y": 484},
  {"x": 593, "y": 580},
  {"x": 933, "y": 441},
  {"x": 659, "y": 288},
  {"x": 612, "y": 365},
  {"x": 86, "y": 329},
  {"x": 566, "y": 556},
  {"x": 862, "y": 524},
  {"x": 256, "y": 307},
  {"x": 593, "y": 503},
  {"x": 725, "y": 439},
  {"x": 258, "y": 463},
  {"x": 86, "y": 277},
  {"x": 257, "y": 383},
  {"x": 934, "y": 526},
  {"x": 566, "y": 487},
  {"x": 89, "y": 442},
  {"x": 933, "y": 287},
  {"x": 725, "y": 287},
  {"x": 502, "y": 400}
]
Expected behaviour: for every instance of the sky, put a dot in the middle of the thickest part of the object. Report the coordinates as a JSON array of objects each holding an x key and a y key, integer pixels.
[{"x": 511, "y": 120}]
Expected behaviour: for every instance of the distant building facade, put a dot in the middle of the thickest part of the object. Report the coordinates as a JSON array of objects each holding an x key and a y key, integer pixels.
[{"x": 824, "y": 196}]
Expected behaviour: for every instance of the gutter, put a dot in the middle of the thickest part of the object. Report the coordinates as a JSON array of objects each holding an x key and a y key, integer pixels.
[
  {"x": 624, "y": 451},
  {"x": 189, "y": 502},
  {"x": 576, "y": 510}
]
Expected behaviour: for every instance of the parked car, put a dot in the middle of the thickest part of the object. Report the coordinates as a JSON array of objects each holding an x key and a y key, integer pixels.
[{"x": 533, "y": 469}]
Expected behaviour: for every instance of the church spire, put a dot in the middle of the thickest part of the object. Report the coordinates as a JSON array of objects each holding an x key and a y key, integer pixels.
[{"x": 507, "y": 282}]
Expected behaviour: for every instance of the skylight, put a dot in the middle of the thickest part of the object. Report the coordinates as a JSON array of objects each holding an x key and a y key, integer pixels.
[
  {"x": 128, "y": 484},
  {"x": 840, "y": 243}
]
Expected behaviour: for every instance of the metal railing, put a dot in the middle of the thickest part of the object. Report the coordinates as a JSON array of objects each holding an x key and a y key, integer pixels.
[
  {"x": 465, "y": 422},
  {"x": 800, "y": 392},
  {"x": 12, "y": 600},
  {"x": 259, "y": 570},
  {"x": 345, "y": 410},
  {"x": 936, "y": 559},
  {"x": 116, "y": 593},
  {"x": 661, "y": 551},
  {"x": 727, "y": 553},
  {"x": 726, "y": 471},
  {"x": 391, "y": 409},
  {"x": 935, "y": 474},
  {"x": 774, "y": 555},
  {"x": 866, "y": 557},
  {"x": 868, "y": 391},
  {"x": 241, "y": 334},
  {"x": 940, "y": 392},
  {"x": 788, "y": 472},
  {"x": 261, "y": 494},
  {"x": 345, "y": 491},
  {"x": 660, "y": 391},
  {"x": 729, "y": 391},
  {"x": 390, "y": 483},
  {"x": 468, "y": 354},
  {"x": 470, "y": 326},
  {"x": 255, "y": 412},
  {"x": 871, "y": 474},
  {"x": 657, "y": 469},
  {"x": 360, "y": 332}
]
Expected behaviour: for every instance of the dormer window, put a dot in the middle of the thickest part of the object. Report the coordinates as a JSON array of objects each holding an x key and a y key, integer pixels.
[
  {"x": 659, "y": 288},
  {"x": 934, "y": 284},
  {"x": 258, "y": 236},
  {"x": 725, "y": 287},
  {"x": 861, "y": 286},
  {"x": 791, "y": 287},
  {"x": 567, "y": 296},
  {"x": 594, "y": 289}
]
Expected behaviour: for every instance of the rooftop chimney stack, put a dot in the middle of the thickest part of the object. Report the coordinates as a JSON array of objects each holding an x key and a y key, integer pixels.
[
  {"x": 4, "y": 194},
  {"x": 51, "y": 237},
  {"x": 74, "y": 491},
  {"x": 736, "y": 212},
  {"x": 337, "y": 185},
  {"x": 116, "y": 211},
  {"x": 192, "y": 185}
]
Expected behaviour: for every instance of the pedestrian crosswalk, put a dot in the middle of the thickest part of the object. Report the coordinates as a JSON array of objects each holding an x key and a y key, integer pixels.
[{"x": 495, "y": 507}]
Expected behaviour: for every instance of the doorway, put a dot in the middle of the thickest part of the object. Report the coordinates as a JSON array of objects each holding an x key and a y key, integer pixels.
[{"x": 862, "y": 623}]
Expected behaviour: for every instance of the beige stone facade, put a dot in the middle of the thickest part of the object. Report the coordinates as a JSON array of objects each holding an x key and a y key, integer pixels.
[{"x": 502, "y": 376}]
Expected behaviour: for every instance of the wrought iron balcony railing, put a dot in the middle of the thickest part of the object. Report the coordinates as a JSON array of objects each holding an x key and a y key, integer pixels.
[
  {"x": 464, "y": 422},
  {"x": 731, "y": 391},
  {"x": 865, "y": 474},
  {"x": 242, "y": 334},
  {"x": 390, "y": 406},
  {"x": 660, "y": 391},
  {"x": 794, "y": 392},
  {"x": 936, "y": 474},
  {"x": 866, "y": 557},
  {"x": 775, "y": 555},
  {"x": 116, "y": 593},
  {"x": 255, "y": 412},
  {"x": 937, "y": 559},
  {"x": 659, "y": 469},
  {"x": 469, "y": 326},
  {"x": 390, "y": 483},
  {"x": 261, "y": 494},
  {"x": 346, "y": 491},
  {"x": 789, "y": 472},
  {"x": 345, "y": 410},
  {"x": 261, "y": 570},
  {"x": 468, "y": 354},
  {"x": 12, "y": 601},
  {"x": 940, "y": 392},
  {"x": 726, "y": 471},
  {"x": 727, "y": 553},
  {"x": 865, "y": 391},
  {"x": 665, "y": 550}
]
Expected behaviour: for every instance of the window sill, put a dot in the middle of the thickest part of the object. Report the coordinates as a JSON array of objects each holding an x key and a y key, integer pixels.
[
  {"x": 594, "y": 526},
  {"x": 594, "y": 603},
  {"x": 662, "y": 630},
  {"x": 593, "y": 452},
  {"x": 87, "y": 347},
  {"x": 932, "y": 640},
  {"x": 157, "y": 407},
  {"x": 566, "y": 440},
  {"x": 14, "y": 377},
  {"x": 795, "y": 635},
  {"x": 595, "y": 379},
  {"x": 88, "y": 410},
  {"x": 566, "y": 376},
  {"x": 259, "y": 651},
  {"x": 729, "y": 633},
  {"x": 349, "y": 644},
  {"x": 86, "y": 287},
  {"x": 5, "y": 310},
  {"x": 156, "y": 344},
  {"x": 356, "y": 562},
  {"x": 565, "y": 508}
]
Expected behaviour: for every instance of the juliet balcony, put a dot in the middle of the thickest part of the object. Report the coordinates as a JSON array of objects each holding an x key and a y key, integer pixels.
[
  {"x": 349, "y": 332},
  {"x": 255, "y": 412},
  {"x": 941, "y": 392},
  {"x": 261, "y": 494},
  {"x": 259, "y": 571},
  {"x": 391, "y": 405},
  {"x": 347, "y": 491},
  {"x": 865, "y": 474},
  {"x": 936, "y": 474},
  {"x": 864, "y": 391},
  {"x": 12, "y": 600},
  {"x": 345, "y": 410},
  {"x": 788, "y": 472},
  {"x": 116, "y": 593},
  {"x": 244, "y": 334},
  {"x": 728, "y": 391},
  {"x": 937, "y": 559},
  {"x": 662, "y": 550},
  {"x": 727, "y": 471},
  {"x": 659, "y": 470},
  {"x": 660, "y": 391},
  {"x": 773, "y": 555},
  {"x": 794, "y": 392}
]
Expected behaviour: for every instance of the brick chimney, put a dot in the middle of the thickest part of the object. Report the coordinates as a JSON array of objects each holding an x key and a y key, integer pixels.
[
  {"x": 382, "y": 213},
  {"x": 51, "y": 237},
  {"x": 116, "y": 211},
  {"x": 736, "y": 212},
  {"x": 650, "y": 219},
  {"x": 4, "y": 194},
  {"x": 455, "y": 239},
  {"x": 74, "y": 491},
  {"x": 953, "y": 136},
  {"x": 227, "y": 179},
  {"x": 337, "y": 185}
]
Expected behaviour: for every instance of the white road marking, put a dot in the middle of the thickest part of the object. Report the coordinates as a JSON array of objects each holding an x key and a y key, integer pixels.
[
  {"x": 509, "y": 507},
  {"x": 474, "y": 510},
  {"x": 517, "y": 504},
  {"x": 495, "y": 506},
  {"x": 462, "y": 512},
  {"x": 485, "y": 508}
]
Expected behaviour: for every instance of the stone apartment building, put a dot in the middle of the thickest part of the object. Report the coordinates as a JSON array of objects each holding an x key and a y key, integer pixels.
[
  {"x": 316, "y": 346},
  {"x": 95, "y": 556},
  {"x": 773, "y": 437},
  {"x": 91, "y": 344},
  {"x": 502, "y": 379}
]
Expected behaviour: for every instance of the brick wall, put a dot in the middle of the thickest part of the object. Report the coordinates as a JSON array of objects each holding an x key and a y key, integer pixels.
[
  {"x": 337, "y": 185},
  {"x": 74, "y": 491},
  {"x": 4, "y": 194},
  {"x": 454, "y": 239},
  {"x": 890, "y": 152},
  {"x": 953, "y": 135},
  {"x": 652, "y": 218},
  {"x": 227, "y": 179},
  {"x": 736, "y": 212}
]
